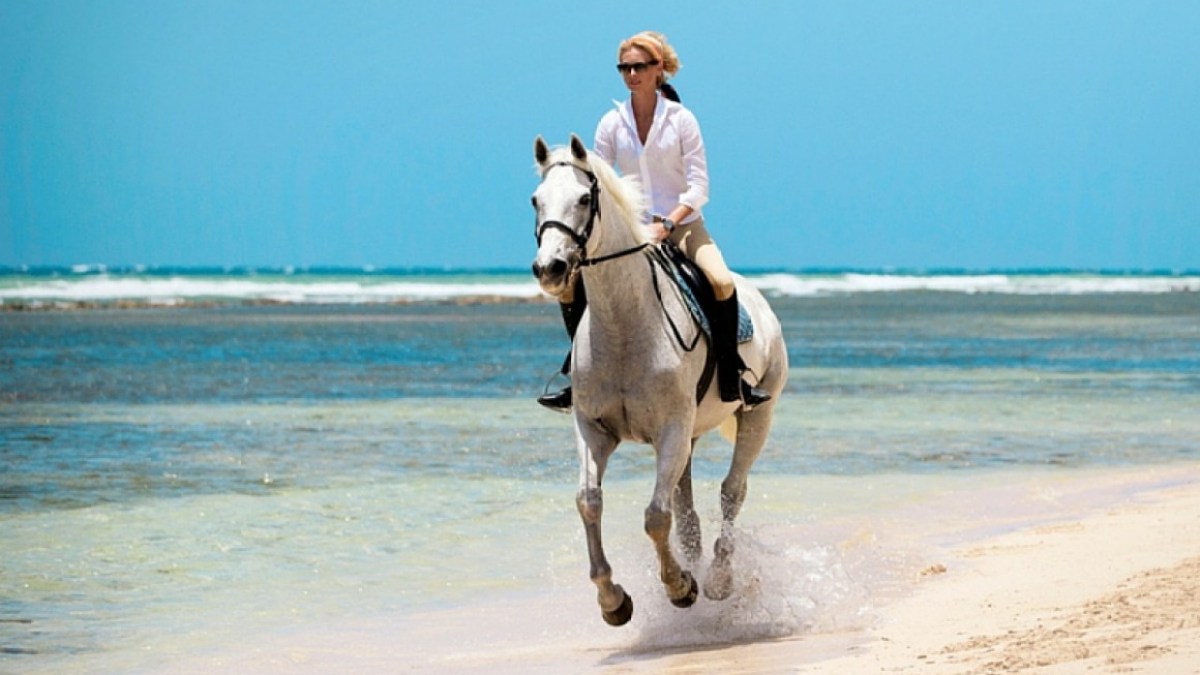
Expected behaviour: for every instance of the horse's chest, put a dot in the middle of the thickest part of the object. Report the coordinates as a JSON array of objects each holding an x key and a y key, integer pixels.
[
  {"x": 635, "y": 411},
  {"x": 630, "y": 423}
]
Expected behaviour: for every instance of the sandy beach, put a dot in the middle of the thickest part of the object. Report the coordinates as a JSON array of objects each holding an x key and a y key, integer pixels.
[
  {"x": 1112, "y": 592},
  {"x": 1104, "y": 580}
]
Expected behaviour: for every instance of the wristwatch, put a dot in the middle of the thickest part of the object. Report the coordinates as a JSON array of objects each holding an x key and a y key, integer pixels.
[{"x": 668, "y": 225}]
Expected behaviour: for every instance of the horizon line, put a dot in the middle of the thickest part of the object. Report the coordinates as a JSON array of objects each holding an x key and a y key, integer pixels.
[{"x": 84, "y": 269}]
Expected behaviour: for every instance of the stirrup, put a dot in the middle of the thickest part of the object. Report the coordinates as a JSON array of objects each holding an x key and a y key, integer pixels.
[
  {"x": 559, "y": 401},
  {"x": 752, "y": 396}
]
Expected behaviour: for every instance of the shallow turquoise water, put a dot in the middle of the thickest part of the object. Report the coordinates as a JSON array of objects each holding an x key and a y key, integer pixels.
[{"x": 171, "y": 479}]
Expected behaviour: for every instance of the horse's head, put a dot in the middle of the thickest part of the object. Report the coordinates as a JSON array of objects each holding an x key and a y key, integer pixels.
[{"x": 566, "y": 204}]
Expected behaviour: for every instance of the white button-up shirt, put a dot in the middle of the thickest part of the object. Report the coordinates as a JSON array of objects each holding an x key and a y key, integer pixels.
[{"x": 671, "y": 165}]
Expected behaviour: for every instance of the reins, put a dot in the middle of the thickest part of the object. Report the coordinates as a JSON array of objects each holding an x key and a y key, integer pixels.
[
  {"x": 587, "y": 262},
  {"x": 657, "y": 256}
]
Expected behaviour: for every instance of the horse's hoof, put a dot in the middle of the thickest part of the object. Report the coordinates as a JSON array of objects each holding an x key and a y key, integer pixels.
[
  {"x": 693, "y": 592},
  {"x": 621, "y": 615},
  {"x": 719, "y": 586}
]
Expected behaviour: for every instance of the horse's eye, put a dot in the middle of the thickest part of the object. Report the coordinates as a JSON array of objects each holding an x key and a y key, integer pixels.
[
  {"x": 533, "y": 200},
  {"x": 585, "y": 200}
]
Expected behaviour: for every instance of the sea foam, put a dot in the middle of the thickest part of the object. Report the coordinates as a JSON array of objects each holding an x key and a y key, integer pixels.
[
  {"x": 799, "y": 285},
  {"x": 87, "y": 286},
  {"x": 178, "y": 290}
]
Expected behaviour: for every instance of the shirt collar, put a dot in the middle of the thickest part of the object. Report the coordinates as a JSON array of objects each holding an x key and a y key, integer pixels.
[{"x": 625, "y": 108}]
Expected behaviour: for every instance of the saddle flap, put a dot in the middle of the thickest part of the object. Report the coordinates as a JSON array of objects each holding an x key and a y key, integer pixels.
[{"x": 697, "y": 292}]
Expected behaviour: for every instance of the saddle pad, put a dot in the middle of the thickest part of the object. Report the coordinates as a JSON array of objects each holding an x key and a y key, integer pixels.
[{"x": 691, "y": 298}]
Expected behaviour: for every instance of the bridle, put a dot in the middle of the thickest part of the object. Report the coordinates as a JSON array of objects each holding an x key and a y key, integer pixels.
[{"x": 581, "y": 240}]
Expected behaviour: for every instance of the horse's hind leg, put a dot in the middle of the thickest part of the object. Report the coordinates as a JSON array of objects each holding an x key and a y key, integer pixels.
[
  {"x": 687, "y": 523},
  {"x": 753, "y": 427}
]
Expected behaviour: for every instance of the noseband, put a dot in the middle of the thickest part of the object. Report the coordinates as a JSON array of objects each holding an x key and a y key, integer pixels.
[{"x": 581, "y": 240}]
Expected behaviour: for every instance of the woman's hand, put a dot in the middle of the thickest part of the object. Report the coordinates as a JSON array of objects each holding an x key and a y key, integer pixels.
[
  {"x": 658, "y": 229},
  {"x": 664, "y": 226}
]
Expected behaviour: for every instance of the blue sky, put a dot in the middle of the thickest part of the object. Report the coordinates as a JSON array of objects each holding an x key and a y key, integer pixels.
[{"x": 862, "y": 134}]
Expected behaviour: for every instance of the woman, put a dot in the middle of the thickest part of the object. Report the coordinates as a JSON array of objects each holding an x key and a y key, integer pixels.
[{"x": 653, "y": 136}]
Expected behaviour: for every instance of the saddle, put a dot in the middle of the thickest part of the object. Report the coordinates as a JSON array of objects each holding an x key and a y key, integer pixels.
[{"x": 700, "y": 300}]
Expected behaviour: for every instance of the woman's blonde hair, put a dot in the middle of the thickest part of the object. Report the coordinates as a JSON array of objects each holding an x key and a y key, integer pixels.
[{"x": 655, "y": 44}]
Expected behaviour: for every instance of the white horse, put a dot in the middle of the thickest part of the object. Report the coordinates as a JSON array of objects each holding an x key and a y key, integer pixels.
[{"x": 633, "y": 379}]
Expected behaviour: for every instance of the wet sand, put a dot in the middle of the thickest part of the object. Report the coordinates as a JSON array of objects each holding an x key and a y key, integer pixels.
[{"x": 1106, "y": 582}]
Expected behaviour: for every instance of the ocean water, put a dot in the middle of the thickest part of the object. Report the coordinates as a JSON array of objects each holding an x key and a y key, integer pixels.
[{"x": 196, "y": 459}]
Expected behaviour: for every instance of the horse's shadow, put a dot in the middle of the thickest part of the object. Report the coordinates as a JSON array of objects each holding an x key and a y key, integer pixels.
[{"x": 647, "y": 654}]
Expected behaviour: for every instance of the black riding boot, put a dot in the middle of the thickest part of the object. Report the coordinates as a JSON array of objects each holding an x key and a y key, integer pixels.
[
  {"x": 572, "y": 312},
  {"x": 729, "y": 363}
]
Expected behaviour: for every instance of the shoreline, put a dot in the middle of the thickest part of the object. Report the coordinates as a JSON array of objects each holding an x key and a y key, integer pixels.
[
  {"x": 1107, "y": 582},
  {"x": 1112, "y": 588}
]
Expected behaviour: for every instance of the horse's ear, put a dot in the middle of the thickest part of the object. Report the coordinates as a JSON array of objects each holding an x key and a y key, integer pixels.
[
  {"x": 540, "y": 151},
  {"x": 578, "y": 150}
]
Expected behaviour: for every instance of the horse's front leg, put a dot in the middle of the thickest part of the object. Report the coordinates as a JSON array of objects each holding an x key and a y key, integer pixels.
[
  {"x": 595, "y": 447},
  {"x": 673, "y": 451}
]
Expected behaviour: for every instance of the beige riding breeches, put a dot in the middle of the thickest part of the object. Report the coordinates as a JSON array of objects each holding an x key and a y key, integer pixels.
[{"x": 698, "y": 246}]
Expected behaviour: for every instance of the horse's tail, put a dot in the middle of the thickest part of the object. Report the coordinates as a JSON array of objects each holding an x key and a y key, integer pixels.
[{"x": 728, "y": 429}]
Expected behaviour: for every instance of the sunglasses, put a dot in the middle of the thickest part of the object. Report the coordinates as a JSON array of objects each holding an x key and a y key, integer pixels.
[{"x": 639, "y": 67}]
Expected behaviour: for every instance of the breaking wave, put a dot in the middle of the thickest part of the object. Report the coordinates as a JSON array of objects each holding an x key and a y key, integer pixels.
[{"x": 85, "y": 285}]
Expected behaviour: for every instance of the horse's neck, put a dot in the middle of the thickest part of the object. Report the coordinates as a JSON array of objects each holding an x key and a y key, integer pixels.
[
  {"x": 613, "y": 235},
  {"x": 618, "y": 289}
]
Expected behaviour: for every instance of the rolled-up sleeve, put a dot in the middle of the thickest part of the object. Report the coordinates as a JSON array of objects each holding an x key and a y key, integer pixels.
[{"x": 695, "y": 162}]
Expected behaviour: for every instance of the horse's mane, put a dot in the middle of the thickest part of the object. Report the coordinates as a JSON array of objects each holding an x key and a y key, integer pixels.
[{"x": 624, "y": 193}]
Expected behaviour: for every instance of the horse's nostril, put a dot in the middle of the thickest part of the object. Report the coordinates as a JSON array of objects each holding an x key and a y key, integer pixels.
[{"x": 549, "y": 271}]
